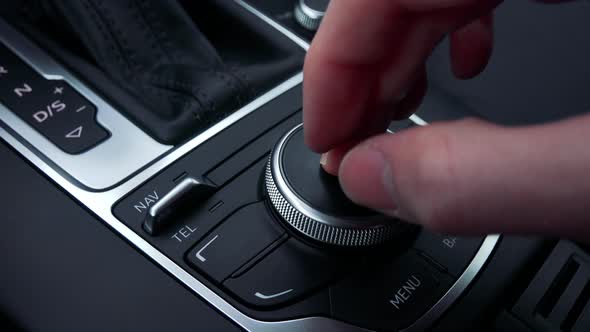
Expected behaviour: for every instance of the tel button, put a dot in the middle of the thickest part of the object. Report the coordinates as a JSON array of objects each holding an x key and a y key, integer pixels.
[{"x": 236, "y": 241}]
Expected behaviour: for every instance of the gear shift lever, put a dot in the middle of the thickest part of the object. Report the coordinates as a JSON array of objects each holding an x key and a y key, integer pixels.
[{"x": 156, "y": 52}]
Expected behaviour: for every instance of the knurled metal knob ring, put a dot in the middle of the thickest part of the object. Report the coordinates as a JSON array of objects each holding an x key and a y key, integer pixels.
[
  {"x": 315, "y": 224},
  {"x": 308, "y": 17}
]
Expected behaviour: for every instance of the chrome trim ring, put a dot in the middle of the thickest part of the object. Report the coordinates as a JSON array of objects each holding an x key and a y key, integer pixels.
[{"x": 315, "y": 224}]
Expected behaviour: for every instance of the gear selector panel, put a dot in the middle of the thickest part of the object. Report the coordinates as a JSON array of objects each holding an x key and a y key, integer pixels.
[{"x": 52, "y": 107}]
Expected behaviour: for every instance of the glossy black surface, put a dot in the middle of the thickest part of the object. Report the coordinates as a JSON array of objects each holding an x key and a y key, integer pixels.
[
  {"x": 391, "y": 296},
  {"x": 239, "y": 239},
  {"x": 69, "y": 272},
  {"x": 310, "y": 182},
  {"x": 319, "y": 5},
  {"x": 288, "y": 273},
  {"x": 453, "y": 253}
]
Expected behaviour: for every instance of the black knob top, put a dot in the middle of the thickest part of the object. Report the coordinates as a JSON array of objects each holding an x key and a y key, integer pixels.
[
  {"x": 312, "y": 202},
  {"x": 303, "y": 173}
]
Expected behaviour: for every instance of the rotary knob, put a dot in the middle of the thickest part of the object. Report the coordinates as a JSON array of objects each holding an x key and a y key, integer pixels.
[
  {"x": 311, "y": 202},
  {"x": 309, "y": 13}
]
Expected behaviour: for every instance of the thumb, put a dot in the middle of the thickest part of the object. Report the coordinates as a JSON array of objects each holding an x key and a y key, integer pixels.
[{"x": 471, "y": 177}]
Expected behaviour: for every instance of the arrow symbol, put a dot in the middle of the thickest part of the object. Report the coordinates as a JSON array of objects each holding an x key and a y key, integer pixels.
[
  {"x": 76, "y": 133},
  {"x": 268, "y": 297},
  {"x": 3, "y": 71}
]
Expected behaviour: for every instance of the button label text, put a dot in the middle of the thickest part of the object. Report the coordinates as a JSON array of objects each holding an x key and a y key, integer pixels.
[
  {"x": 147, "y": 201},
  {"x": 405, "y": 292},
  {"x": 183, "y": 233}
]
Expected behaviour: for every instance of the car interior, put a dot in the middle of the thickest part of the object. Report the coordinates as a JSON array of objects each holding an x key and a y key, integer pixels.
[{"x": 156, "y": 179}]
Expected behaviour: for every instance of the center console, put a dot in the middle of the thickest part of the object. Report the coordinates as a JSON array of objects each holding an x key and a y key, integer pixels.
[
  {"x": 265, "y": 237},
  {"x": 232, "y": 205}
]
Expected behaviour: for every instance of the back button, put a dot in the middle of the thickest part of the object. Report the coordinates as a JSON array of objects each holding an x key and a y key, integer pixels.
[{"x": 452, "y": 252}]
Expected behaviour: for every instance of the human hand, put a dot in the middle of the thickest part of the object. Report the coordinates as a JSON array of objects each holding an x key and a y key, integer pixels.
[{"x": 461, "y": 177}]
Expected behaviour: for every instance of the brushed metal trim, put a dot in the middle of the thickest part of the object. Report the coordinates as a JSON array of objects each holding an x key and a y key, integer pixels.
[
  {"x": 477, "y": 263},
  {"x": 102, "y": 166},
  {"x": 101, "y": 204}
]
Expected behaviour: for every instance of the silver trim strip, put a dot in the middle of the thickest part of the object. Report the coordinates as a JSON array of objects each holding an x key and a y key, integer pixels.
[
  {"x": 102, "y": 166},
  {"x": 477, "y": 263},
  {"x": 169, "y": 159},
  {"x": 418, "y": 120},
  {"x": 101, "y": 203},
  {"x": 295, "y": 38}
]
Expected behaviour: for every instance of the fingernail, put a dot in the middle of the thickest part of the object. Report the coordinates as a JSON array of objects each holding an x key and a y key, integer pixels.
[
  {"x": 366, "y": 178},
  {"x": 329, "y": 163},
  {"x": 324, "y": 159}
]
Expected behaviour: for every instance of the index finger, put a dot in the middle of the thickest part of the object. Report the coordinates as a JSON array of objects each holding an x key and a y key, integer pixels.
[{"x": 364, "y": 56}]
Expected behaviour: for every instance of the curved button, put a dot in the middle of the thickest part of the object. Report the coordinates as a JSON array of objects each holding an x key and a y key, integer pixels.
[
  {"x": 287, "y": 274},
  {"x": 236, "y": 241}
]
